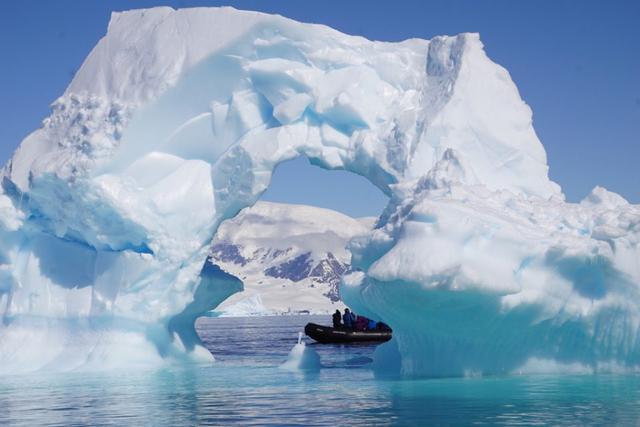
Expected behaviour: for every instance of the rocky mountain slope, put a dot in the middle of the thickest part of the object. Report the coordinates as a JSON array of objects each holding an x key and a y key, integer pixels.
[{"x": 290, "y": 257}]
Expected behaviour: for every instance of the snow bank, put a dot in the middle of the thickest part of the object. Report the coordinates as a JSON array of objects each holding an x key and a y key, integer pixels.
[{"x": 176, "y": 121}]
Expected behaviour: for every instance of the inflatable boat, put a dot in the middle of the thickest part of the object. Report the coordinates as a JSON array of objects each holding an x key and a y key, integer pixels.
[{"x": 329, "y": 335}]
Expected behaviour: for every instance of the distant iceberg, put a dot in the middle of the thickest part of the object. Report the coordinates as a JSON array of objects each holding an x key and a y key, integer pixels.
[
  {"x": 249, "y": 306},
  {"x": 176, "y": 121}
]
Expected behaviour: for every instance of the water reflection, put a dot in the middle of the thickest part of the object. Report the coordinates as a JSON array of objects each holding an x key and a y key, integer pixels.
[{"x": 246, "y": 387}]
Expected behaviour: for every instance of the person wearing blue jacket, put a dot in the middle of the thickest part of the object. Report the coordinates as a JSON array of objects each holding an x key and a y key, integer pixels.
[{"x": 347, "y": 319}]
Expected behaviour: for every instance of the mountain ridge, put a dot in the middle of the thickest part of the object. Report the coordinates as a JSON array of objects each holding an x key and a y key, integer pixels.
[{"x": 296, "y": 251}]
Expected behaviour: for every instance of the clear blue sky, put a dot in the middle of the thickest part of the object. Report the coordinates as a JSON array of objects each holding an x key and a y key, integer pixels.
[{"x": 576, "y": 63}]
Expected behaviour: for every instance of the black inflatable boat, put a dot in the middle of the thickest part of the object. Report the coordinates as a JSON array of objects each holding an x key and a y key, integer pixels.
[{"x": 329, "y": 335}]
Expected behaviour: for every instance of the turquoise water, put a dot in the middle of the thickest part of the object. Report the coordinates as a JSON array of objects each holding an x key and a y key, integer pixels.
[{"x": 246, "y": 387}]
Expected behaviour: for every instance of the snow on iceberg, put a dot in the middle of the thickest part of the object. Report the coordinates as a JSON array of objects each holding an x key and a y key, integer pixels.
[
  {"x": 176, "y": 121},
  {"x": 480, "y": 281}
]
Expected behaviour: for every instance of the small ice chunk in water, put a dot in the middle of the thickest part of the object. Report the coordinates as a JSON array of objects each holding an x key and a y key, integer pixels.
[{"x": 302, "y": 358}]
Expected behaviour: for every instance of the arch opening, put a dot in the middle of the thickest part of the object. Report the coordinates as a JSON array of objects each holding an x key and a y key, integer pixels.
[{"x": 291, "y": 248}]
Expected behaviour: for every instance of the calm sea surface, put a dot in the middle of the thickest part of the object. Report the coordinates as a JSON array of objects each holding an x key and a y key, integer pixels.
[{"x": 246, "y": 387}]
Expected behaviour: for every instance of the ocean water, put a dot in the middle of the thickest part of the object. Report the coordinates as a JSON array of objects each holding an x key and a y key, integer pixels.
[{"x": 246, "y": 387}]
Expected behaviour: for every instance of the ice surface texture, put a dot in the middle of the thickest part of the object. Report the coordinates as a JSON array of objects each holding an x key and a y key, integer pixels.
[{"x": 176, "y": 121}]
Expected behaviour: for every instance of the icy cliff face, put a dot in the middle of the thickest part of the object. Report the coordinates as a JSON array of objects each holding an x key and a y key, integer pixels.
[
  {"x": 175, "y": 123},
  {"x": 494, "y": 282},
  {"x": 291, "y": 258}
]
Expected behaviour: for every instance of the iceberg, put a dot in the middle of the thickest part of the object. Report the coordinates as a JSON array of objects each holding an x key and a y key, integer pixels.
[
  {"x": 176, "y": 121},
  {"x": 302, "y": 358}
]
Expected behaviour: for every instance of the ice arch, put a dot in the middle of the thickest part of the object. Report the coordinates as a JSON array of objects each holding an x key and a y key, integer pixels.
[{"x": 175, "y": 122}]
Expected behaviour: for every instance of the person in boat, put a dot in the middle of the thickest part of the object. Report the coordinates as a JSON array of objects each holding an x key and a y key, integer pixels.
[
  {"x": 347, "y": 319},
  {"x": 372, "y": 325},
  {"x": 361, "y": 323},
  {"x": 337, "y": 319}
]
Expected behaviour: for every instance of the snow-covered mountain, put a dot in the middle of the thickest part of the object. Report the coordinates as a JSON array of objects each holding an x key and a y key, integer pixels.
[{"x": 290, "y": 257}]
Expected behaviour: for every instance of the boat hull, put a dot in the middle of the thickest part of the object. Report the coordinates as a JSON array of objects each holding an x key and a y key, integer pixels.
[{"x": 329, "y": 335}]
